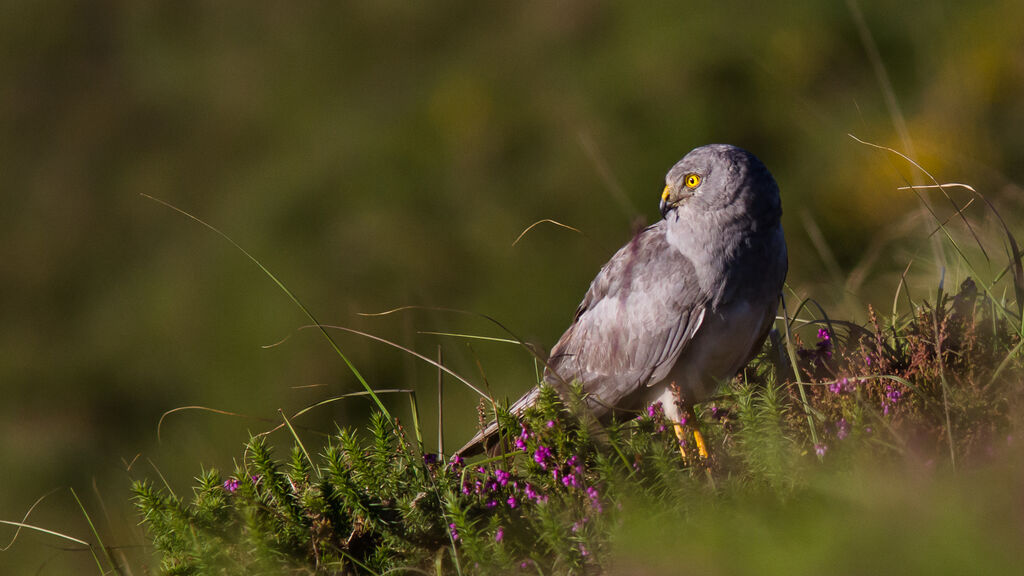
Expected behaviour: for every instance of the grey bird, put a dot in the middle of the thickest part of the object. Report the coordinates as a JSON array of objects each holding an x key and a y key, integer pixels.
[{"x": 687, "y": 303}]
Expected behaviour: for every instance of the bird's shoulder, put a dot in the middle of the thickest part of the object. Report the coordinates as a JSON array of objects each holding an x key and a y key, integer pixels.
[
  {"x": 648, "y": 264},
  {"x": 640, "y": 312}
]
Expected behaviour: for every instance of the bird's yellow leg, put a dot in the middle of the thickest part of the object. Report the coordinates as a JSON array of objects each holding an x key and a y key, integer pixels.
[
  {"x": 681, "y": 435},
  {"x": 702, "y": 448}
]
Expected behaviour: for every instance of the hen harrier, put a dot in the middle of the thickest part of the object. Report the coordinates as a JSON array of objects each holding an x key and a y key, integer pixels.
[{"x": 687, "y": 302}]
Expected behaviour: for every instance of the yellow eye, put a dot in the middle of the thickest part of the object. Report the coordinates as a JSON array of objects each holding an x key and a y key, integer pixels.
[{"x": 692, "y": 181}]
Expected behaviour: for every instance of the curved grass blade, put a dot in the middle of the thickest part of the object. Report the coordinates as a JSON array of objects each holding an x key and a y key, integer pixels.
[
  {"x": 406, "y": 350},
  {"x": 160, "y": 423},
  {"x": 292, "y": 297},
  {"x": 24, "y": 519},
  {"x": 330, "y": 401}
]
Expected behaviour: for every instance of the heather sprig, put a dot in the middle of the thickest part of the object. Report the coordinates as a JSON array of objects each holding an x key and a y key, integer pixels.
[{"x": 550, "y": 498}]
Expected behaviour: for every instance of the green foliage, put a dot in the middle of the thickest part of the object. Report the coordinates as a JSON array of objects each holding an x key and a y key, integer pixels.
[{"x": 555, "y": 494}]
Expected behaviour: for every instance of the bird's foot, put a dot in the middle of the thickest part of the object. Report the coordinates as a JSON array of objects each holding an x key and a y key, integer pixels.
[{"x": 698, "y": 438}]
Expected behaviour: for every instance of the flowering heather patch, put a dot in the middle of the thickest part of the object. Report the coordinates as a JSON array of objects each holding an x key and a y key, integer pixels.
[
  {"x": 940, "y": 385},
  {"x": 942, "y": 381}
]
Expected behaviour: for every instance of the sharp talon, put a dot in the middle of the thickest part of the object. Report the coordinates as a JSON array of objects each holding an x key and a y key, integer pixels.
[
  {"x": 682, "y": 438},
  {"x": 702, "y": 448}
]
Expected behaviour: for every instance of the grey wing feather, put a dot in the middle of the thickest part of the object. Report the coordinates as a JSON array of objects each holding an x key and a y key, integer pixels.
[{"x": 640, "y": 312}]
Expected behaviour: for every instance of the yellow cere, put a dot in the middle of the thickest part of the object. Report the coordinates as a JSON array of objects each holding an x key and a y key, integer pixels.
[
  {"x": 665, "y": 192},
  {"x": 692, "y": 180}
]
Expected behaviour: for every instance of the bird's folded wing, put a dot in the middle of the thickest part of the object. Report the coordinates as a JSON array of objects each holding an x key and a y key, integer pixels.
[
  {"x": 640, "y": 312},
  {"x": 642, "y": 309}
]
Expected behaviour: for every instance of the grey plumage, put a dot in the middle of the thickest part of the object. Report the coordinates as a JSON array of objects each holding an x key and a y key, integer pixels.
[{"x": 689, "y": 300}]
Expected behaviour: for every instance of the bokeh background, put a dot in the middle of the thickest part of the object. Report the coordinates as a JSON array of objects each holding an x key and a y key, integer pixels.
[{"x": 383, "y": 154}]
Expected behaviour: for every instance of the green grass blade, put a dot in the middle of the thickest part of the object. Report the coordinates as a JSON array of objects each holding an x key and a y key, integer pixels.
[
  {"x": 287, "y": 292},
  {"x": 301, "y": 445},
  {"x": 96, "y": 534},
  {"x": 791, "y": 349}
]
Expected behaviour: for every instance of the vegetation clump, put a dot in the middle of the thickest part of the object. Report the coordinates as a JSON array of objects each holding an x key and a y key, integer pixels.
[{"x": 940, "y": 385}]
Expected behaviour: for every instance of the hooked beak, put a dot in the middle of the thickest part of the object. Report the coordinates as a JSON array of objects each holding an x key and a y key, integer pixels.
[{"x": 670, "y": 201}]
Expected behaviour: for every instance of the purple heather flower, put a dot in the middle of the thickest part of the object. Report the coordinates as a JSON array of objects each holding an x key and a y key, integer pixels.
[
  {"x": 583, "y": 551},
  {"x": 574, "y": 463},
  {"x": 491, "y": 503},
  {"x": 533, "y": 495},
  {"x": 430, "y": 458},
  {"x": 655, "y": 410},
  {"x": 457, "y": 460},
  {"x": 820, "y": 449},
  {"x": 823, "y": 334},
  {"x": 231, "y": 484},
  {"x": 540, "y": 456},
  {"x": 842, "y": 429},
  {"x": 550, "y": 423},
  {"x": 530, "y": 492},
  {"x": 499, "y": 535},
  {"x": 512, "y": 502},
  {"x": 569, "y": 480},
  {"x": 839, "y": 386},
  {"x": 592, "y": 493},
  {"x": 502, "y": 476},
  {"x": 453, "y": 531},
  {"x": 524, "y": 435},
  {"x": 683, "y": 420},
  {"x": 892, "y": 397}
]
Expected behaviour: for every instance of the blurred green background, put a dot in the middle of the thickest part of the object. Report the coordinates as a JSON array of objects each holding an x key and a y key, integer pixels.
[{"x": 382, "y": 154}]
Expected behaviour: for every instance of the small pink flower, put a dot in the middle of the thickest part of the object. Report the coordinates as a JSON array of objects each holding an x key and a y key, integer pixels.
[
  {"x": 540, "y": 456},
  {"x": 842, "y": 429}
]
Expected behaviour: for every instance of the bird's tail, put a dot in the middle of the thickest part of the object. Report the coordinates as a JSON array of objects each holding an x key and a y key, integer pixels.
[{"x": 484, "y": 439}]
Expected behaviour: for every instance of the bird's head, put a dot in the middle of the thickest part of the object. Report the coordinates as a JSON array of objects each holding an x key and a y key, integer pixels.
[{"x": 717, "y": 176}]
